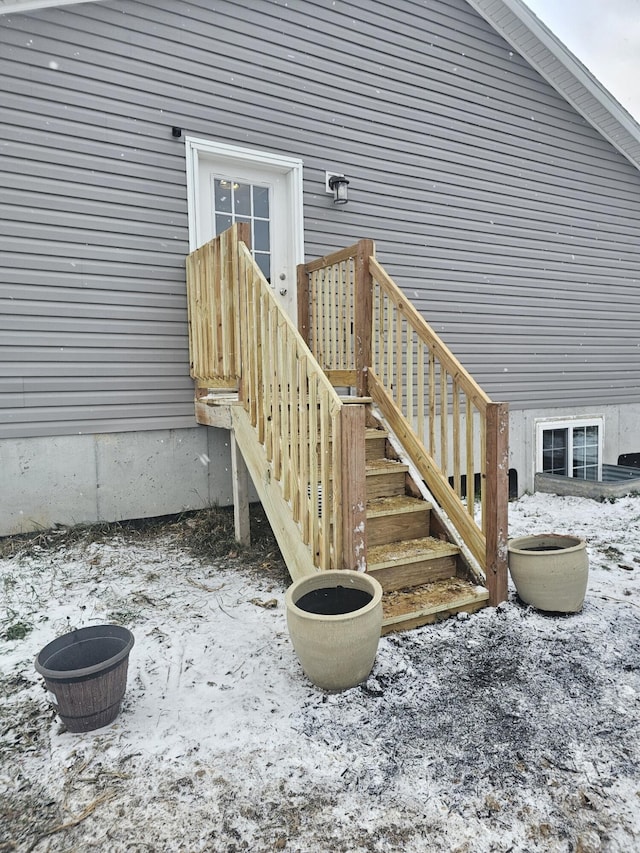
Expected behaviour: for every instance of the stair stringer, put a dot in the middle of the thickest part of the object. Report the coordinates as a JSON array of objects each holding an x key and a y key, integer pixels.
[
  {"x": 472, "y": 564},
  {"x": 295, "y": 553}
]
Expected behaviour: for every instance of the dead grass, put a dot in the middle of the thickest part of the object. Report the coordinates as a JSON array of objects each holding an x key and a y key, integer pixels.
[
  {"x": 210, "y": 533},
  {"x": 206, "y": 534}
]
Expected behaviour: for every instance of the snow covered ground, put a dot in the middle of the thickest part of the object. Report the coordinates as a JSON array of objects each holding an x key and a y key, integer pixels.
[{"x": 509, "y": 730}]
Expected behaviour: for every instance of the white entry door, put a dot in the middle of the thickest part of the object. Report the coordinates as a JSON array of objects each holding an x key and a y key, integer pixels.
[{"x": 240, "y": 185}]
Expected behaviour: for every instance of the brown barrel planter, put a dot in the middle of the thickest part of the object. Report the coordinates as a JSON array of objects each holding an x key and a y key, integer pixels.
[{"x": 86, "y": 673}]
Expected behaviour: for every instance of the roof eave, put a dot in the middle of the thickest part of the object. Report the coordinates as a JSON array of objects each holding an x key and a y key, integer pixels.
[{"x": 554, "y": 61}]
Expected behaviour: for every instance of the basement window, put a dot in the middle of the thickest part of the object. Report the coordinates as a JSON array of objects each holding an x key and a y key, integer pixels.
[{"x": 570, "y": 448}]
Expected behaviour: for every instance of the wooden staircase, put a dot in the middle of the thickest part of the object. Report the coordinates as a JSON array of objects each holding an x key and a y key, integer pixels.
[
  {"x": 424, "y": 575},
  {"x": 358, "y": 427}
]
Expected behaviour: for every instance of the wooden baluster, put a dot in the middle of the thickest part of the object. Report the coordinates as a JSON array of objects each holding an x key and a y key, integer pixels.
[
  {"x": 444, "y": 421},
  {"x": 294, "y": 402},
  {"x": 457, "y": 478},
  {"x": 471, "y": 491},
  {"x": 375, "y": 317},
  {"x": 214, "y": 312},
  {"x": 325, "y": 509},
  {"x": 314, "y": 480},
  {"x": 420, "y": 379},
  {"x": 305, "y": 451},
  {"x": 341, "y": 323},
  {"x": 400, "y": 381},
  {"x": 243, "y": 235},
  {"x": 410, "y": 377},
  {"x": 273, "y": 388},
  {"x": 262, "y": 368},
  {"x": 432, "y": 404},
  {"x": 483, "y": 472},
  {"x": 391, "y": 372},
  {"x": 325, "y": 351},
  {"x": 221, "y": 306},
  {"x": 282, "y": 406}
]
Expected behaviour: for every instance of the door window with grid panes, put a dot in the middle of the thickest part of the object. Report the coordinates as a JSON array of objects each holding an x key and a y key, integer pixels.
[
  {"x": 228, "y": 184},
  {"x": 235, "y": 200}
]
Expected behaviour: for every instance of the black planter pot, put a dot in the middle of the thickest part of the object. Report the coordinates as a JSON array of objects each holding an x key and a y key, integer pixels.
[{"x": 86, "y": 673}]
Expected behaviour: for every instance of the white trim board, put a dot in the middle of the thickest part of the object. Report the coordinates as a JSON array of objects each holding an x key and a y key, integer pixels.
[
  {"x": 289, "y": 166},
  {"x": 12, "y": 7}
]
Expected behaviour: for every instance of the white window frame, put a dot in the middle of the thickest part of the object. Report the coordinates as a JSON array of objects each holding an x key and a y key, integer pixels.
[
  {"x": 290, "y": 167},
  {"x": 569, "y": 424}
]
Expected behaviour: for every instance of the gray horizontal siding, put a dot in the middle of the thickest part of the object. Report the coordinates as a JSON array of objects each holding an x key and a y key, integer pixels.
[{"x": 509, "y": 221}]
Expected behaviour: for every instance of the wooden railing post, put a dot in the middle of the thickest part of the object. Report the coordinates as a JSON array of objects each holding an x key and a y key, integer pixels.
[
  {"x": 240, "y": 487},
  {"x": 354, "y": 500},
  {"x": 363, "y": 310},
  {"x": 497, "y": 501},
  {"x": 303, "y": 301}
]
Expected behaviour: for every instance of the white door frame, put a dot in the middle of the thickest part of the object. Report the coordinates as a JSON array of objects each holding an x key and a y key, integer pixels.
[{"x": 289, "y": 167}]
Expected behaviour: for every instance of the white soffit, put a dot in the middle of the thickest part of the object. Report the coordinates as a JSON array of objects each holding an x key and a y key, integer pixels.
[
  {"x": 548, "y": 55},
  {"x": 8, "y": 7}
]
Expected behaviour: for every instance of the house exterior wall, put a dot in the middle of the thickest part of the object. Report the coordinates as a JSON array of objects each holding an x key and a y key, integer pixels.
[
  {"x": 82, "y": 479},
  {"x": 508, "y": 220}
]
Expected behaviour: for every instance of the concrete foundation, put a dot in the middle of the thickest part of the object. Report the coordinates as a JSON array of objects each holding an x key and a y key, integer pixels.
[{"x": 89, "y": 478}]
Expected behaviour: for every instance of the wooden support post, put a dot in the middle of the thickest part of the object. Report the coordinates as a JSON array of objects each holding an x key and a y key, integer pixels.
[
  {"x": 497, "y": 501},
  {"x": 363, "y": 314},
  {"x": 240, "y": 485},
  {"x": 303, "y": 301},
  {"x": 354, "y": 498}
]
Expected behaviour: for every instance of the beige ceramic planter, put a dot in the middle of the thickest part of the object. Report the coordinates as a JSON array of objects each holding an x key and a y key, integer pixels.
[
  {"x": 550, "y": 571},
  {"x": 336, "y": 647}
]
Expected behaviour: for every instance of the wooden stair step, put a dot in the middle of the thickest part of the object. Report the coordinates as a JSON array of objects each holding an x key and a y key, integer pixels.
[
  {"x": 375, "y": 443},
  {"x": 385, "y": 478},
  {"x": 412, "y": 562},
  {"x": 431, "y": 602},
  {"x": 395, "y": 518}
]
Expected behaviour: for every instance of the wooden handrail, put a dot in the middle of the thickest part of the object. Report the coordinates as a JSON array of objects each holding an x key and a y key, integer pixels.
[
  {"x": 296, "y": 413},
  {"x": 365, "y": 333},
  {"x": 299, "y": 420},
  {"x": 440, "y": 351},
  {"x": 357, "y": 329},
  {"x": 449, "y": 426}
]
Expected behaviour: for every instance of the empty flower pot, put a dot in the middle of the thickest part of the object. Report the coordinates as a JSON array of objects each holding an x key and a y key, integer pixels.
[
  {"x": 334, "y": 620},
  {"x": 550, "y": 571},
  {"x": 86, "y": 673}
]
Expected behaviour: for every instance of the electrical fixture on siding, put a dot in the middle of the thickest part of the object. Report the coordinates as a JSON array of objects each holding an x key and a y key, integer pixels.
[{"x": 337, "y": 185}]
